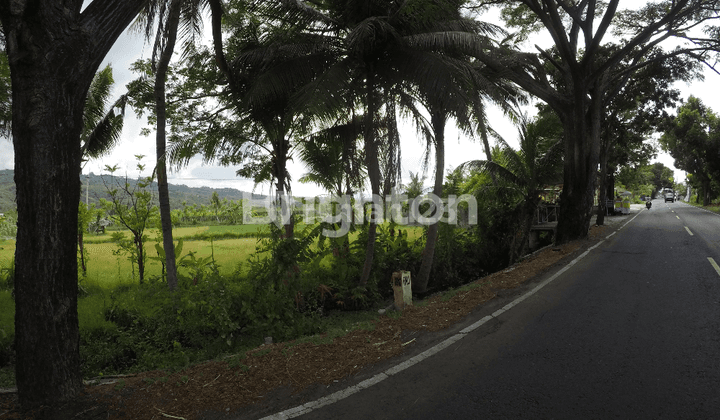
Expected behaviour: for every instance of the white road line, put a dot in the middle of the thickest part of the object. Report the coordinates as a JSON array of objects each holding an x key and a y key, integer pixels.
[
  {"x": 678, "y": 217},
  {"x": 715, "y": 265},
  {"x": 688, "y": 231},
  {"x": 342, "y": 394}
]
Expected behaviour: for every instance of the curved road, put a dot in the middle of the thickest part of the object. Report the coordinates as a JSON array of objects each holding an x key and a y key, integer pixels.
[{"x": 631, "y": 331}]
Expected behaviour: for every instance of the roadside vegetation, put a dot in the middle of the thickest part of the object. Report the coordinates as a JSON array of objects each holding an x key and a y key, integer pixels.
[{"x": 241, "y": 283}]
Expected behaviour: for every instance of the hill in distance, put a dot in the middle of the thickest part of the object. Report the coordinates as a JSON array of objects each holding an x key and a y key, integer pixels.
[{"x": 178, "y": 193}]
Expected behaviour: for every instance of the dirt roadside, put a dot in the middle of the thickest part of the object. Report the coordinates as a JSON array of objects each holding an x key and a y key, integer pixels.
[{"x": 283, "y": 375}]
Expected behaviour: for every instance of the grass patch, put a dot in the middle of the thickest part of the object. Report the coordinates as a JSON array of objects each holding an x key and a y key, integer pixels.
[
  {"x": 446, "y": 296},
  {"x": 7, "y": 337},
  {"x": 7, "y": 252},
  {"x": 715, "y": 207},
  {"x": 193, "y": 233},
  {"x": 7, "y": 377},
  {"x": 105, "y": 269},
  {"x": 7, "y": 334},
  {"x": 7, "y": 312},
  {"x": 339, "y": 324}
]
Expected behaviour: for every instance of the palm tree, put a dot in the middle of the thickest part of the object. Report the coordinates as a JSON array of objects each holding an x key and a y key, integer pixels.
[
  {"x": 171, "y": 16},
  {"x": 524, "y": 173},
  {"x": 469, "y": 115},
  {"x": 264, "y": 68},
  {"x": 385, "y": 50},
  {"x": 102, "y": 126},
  {"x": 449, "y": 85},
  {"x": 334, "y": 159}
]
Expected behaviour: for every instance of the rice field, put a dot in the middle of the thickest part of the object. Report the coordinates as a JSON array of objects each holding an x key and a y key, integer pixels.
[{"x": 106, "y": 269}]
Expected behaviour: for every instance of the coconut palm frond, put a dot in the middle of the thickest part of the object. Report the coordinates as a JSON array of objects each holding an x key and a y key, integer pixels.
[
  {"x": 191, "y": 24},
  {"x": 494, "y": 169},
  {"x": 469, "y": 26},
  {"x": 281, "y": 80},
  {"x": 464, "y": 43},
  {"x": 97, "y": 98},
  {"x": 515, "y": 160},
  {"x": 326, "y": 167},
  {"x": 102, "y": 128},
  {"x": 328, "y": 93},
  {"x": 370, "y": 35},
  {"x": 106, "y": 133},
  {"x": 295, "y": 11},
  {"x": 333, "y": 156}
]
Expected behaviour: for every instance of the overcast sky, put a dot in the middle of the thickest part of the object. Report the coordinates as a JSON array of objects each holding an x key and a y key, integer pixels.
[{"x": 131, "y": 47}]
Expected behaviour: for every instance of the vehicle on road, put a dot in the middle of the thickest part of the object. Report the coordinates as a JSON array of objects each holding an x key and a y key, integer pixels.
[{"x": 669, "y": 195}]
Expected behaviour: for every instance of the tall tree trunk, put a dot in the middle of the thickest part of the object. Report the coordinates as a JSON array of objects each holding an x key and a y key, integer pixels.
[
  {"x": 47, "y": 167},
  {"x": 486, "y": 142},
  {"x": 281, "y": 157},
  {"x": 170, "y": 34},
  {"x": 518, "y": 248},
  {"x": 602, "y": 188},
  {"x": 373, "y": 168},
  {"x": 140, "y": 257},
  {"x": 438, "y": 122},
  {"x": 54, "y": 51},
  {"x": 581, "y": 126},
  {"x": 393, "y": 168},
  {"x": 706, "y": 190},
  {"x": 81, "y": 246}
]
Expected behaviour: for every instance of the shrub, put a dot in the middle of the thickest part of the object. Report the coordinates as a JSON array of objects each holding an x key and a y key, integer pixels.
[
  {"x": 7, "y": 275},
  {"x": 393, "y": 252},
  {"x": 8, "y": 225},
  {"x": 278, "y": 278},
  {"x": 7, "y": 329}
]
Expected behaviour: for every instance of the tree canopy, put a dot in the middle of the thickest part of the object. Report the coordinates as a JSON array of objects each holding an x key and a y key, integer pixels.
[
  {"x": 692, "y": 137},
  {"x": 582, "y": 72}
]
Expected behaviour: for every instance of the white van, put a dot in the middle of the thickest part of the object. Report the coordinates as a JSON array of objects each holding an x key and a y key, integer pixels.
[{"x": 669, "y": 196}]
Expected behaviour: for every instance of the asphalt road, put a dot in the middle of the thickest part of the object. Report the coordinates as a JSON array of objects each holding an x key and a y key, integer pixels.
[{"x": 632, "y": 331}]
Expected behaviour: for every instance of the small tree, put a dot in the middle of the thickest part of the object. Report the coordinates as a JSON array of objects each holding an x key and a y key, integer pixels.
[
  {"x": 132, "y": 207},
  {"x": 85, "y": 216},
  {"x": 524, "y": 173},
  {"x": 216, "y": 205}
]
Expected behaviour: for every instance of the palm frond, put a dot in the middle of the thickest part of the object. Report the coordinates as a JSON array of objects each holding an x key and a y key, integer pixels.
[
  {"x": 333, "y": 157},
  {"x": 369, "y": 36},
  {"x": 225, "y": 142},
  {"x": 516, "y": 160},
  {"x": 328, "y": 93},
  {"x": 495, "y": 169},
  {"x": 296, "y": 11},
  {"x": 462, "y": 43},
  {"x": 97, "y": 99},
  {"x": 106, "y": 133},
  {"x": 191, "y": 23},
  {"x": 283, "y": 78}
]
